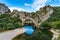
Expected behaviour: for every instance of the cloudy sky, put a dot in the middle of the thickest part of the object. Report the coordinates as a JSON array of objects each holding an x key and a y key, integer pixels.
[{"x": 29, "y": 5}]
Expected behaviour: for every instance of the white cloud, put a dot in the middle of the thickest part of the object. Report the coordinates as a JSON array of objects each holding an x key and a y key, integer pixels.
[
  {"x": 27, "y": 4},
  {"x": 17, "y": 8},
  {"x": 55, "y": 5},
  {"x": 37, "y": 4}
]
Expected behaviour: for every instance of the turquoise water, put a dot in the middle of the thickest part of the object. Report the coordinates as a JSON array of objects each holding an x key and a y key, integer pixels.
[{"x": 29, "y": 30}]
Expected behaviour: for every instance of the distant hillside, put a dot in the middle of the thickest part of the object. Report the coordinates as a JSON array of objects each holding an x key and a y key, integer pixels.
[
  {"x": 55, "y": 16},
  {"x": 54, "y": 20},
  {"x": 4, "y": 8}
]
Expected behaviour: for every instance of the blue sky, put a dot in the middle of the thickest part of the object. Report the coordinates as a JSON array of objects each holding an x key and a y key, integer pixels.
[{"x": 29, "y": 5}]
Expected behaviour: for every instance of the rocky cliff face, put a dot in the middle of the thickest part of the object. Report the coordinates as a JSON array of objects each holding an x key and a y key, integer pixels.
[
  {"x": 4, "y": 8},
  {"x": 42, "y": 15}
]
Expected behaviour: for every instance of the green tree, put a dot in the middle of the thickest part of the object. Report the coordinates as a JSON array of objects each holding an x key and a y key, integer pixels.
[
  {"x": 58, "y": 37},
  {"x": 56, "y": 25},
  {"x": 8, "y": 23},
  {"x": 46, "y": 25}
]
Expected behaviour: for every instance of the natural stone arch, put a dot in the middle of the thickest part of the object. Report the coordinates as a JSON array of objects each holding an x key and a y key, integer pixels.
[
  {"x": 28, "y": 21},
  {"x": 32, "y": 20}
]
